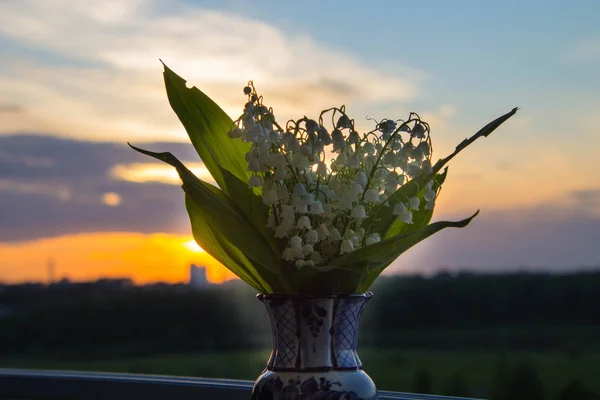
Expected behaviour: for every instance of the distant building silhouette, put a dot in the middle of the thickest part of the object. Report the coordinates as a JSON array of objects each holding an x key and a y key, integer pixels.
[{"x": 198, "y": 276}]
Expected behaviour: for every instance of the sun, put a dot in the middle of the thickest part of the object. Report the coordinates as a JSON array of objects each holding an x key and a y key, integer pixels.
[{"x": 191, "y": 245}]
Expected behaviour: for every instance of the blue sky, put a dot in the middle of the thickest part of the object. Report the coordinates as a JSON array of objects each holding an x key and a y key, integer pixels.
[{"x": 87, "y": 74}]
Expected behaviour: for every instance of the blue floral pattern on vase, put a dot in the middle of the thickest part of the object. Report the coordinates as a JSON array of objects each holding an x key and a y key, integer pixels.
[{"x": 314, "y": 349}]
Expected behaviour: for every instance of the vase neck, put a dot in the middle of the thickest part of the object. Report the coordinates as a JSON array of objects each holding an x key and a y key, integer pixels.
[{"x": 318, "y": 333}]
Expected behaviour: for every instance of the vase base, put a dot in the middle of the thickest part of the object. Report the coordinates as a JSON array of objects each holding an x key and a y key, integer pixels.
[{"x": 330, "y": 385}]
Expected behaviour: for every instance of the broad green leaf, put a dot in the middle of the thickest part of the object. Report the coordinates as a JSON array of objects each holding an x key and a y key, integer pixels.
[
  {"x": 421, "y": 217},
  {"x": 380, "y": 255},
  {"x": 251, "y": 206},
  {"x": 222, "y": 215},
  {"x": 207, "y": 126},
  {"x": 222, "y": 250}
]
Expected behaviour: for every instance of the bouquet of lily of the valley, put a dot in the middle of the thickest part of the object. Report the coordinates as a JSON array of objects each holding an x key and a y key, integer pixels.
[{"x": 312, "y": 205}]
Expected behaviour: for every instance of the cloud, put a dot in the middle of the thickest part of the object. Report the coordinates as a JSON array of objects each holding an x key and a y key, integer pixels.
[
  {"x": 109, "y": 83},
  {"x": 51, "y": 187},
  {"x": 11, "y": 109}
]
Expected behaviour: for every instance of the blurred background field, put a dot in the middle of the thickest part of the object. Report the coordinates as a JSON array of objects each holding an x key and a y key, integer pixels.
[{"x": 491, "y": 336}]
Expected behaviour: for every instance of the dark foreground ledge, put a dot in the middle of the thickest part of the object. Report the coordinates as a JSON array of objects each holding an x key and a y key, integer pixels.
[{"x": 47, "y": 384}]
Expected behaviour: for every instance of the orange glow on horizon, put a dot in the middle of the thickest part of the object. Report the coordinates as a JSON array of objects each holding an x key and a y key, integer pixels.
[
  {"x": 192, "y": 246},
  {"x": 89, "y": 256}
]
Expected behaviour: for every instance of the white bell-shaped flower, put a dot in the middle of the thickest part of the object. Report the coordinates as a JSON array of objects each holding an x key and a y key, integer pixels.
[
  {"x": 399, "y": 208},
  {"x": 372, "y": 239},
  {"x": 413, "y": 170},
  {"x": 296, "y": 240},
  {"x": 304, "y": 222},
  {"x": 288, "y": 254},
  {"x": 429, "y": 194},
  {"x": 341, "y": 160},
  {"x": 309, "y": 263},
  {"x": 361, "y": 178},
  {"x": 426, "y": 167},
  {"x": 274, "y": 136},
  {"x": 299, "y": 161},
  {"x": 307, "y": 249},
  {"x": 361, "y": 233},
  {"x": 414, "y": 203},
  {"x": 355, "y": 188},
  {"x": 353, "y": 161},
  {"x": 371, "y": 196},
  {"x": 406, "y": 217},
  {"x": 358, "y": 212},
  {"x": 430, "y": 205},
  {"x": 353, "y": 138},
  {"x": 321, "y": 168},
  {"x": 335, "y": 184},
  {"x": 346, "y": 246},
  {"x": 254, "y": 134},
  {"x": 301, "y": 208},
  {"x": 281, "y": 173},
  {"x": 235, "y": 133},
  {"x": 255, "y": 181},
  {"x": 308, "y": 199},
  {"x": 338, "y": 140},
  {"x": 299, "y": 190},
  {"x": 316, "y": 208},
  {"x": 368, "y": 148},
  {"x": 311, "y": 237},
  {"x": 306, "y": 150},
  {"x": 300, "y": 263},
  {"x": 277, "y": 160}
]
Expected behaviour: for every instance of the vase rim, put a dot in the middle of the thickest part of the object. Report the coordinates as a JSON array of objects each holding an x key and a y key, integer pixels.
[{"x": 262, "y": 296}]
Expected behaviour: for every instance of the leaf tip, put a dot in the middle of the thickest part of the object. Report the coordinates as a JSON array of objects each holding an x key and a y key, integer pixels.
[
  {"x": 133, "y": 147},
  {"x": 473, "y": 216}
]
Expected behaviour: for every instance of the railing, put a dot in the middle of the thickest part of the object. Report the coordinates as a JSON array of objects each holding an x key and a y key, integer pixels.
[{"x": 47, "y": 384}]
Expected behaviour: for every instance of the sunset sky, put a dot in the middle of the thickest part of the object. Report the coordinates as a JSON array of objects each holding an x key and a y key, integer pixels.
[{"x": 79, "y": 79}]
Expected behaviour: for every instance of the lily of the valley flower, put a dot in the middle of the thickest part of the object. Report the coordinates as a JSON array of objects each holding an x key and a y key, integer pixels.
[{"x": 318, "y": 205}]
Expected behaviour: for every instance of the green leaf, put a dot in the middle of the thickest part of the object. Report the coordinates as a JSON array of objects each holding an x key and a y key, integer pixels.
[
  {"x": 380, "y": 255},
  {"x": 421, "y": 217},
  {"x": 207, "y": 126},
  {"x": 251, "y": 206},
  {"x": 485, "y": 132},
  {"x": 222, "y": 250},
  {"x": 222, "y": 215}
]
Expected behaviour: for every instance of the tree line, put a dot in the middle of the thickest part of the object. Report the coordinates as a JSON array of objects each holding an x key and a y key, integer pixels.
[{"x": 447, "y": 310}]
